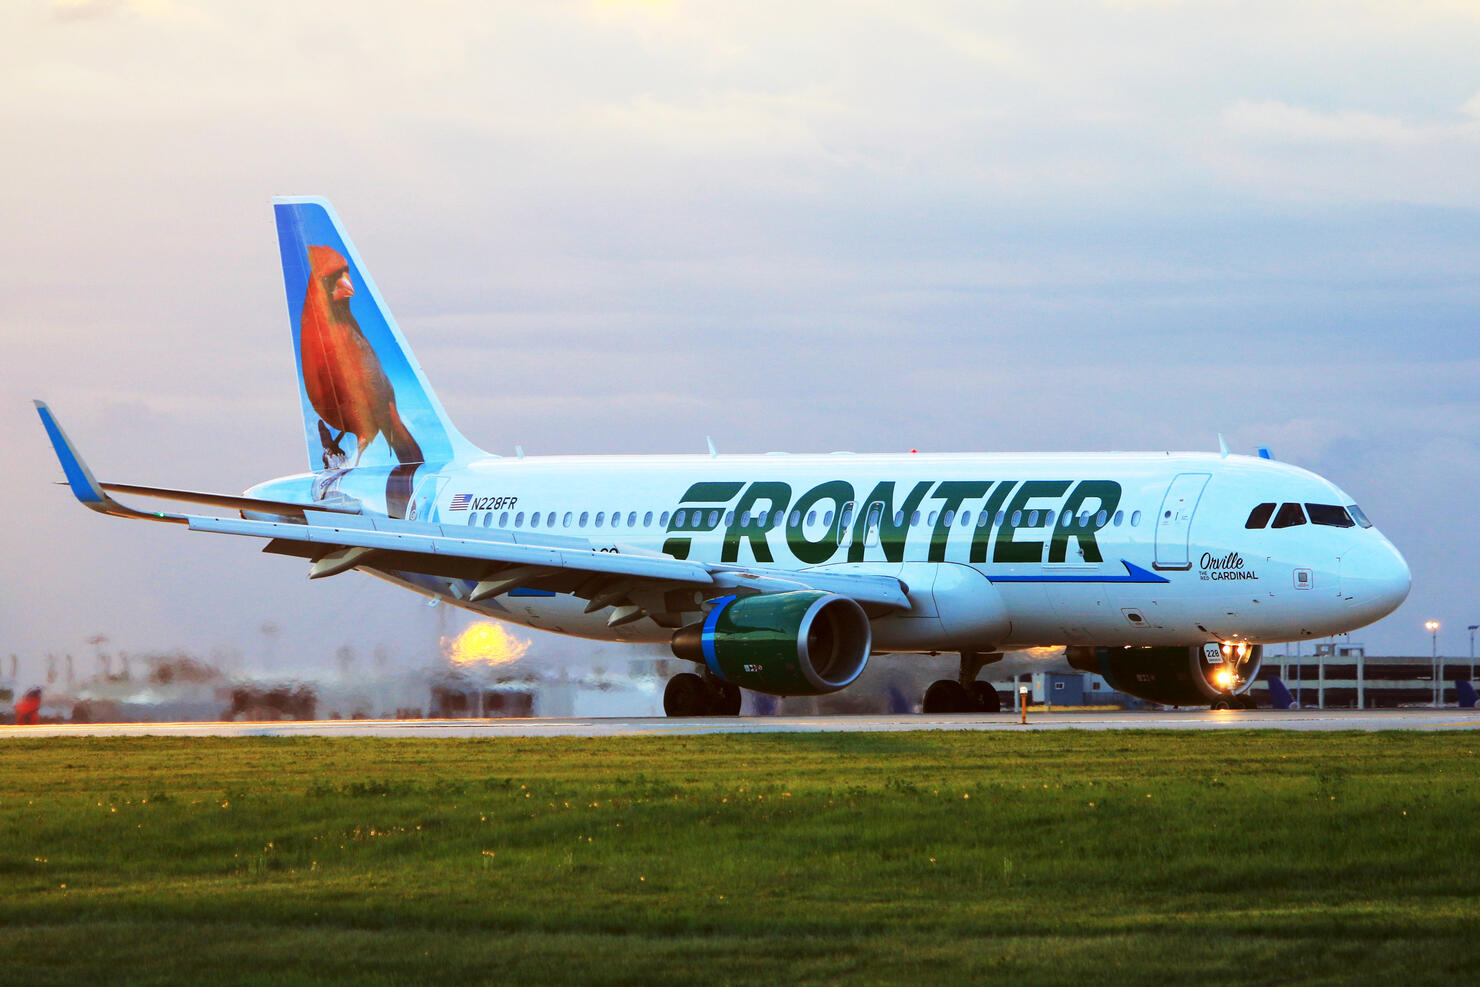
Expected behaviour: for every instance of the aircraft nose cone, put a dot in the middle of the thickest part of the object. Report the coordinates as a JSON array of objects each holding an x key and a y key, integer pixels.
[{"x": 1376, "y": 579}]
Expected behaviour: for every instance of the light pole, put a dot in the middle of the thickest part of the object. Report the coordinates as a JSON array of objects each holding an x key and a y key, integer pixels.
[
  {"x": 1473, "y": 628},
  {"x": 1432, "y": 626}
]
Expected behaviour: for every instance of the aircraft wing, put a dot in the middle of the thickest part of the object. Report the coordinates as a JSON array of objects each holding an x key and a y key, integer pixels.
[{"x": 486, "y": 563}]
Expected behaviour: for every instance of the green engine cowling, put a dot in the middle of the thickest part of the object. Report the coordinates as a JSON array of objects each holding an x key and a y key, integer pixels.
[{"x": 803, "y": 643}]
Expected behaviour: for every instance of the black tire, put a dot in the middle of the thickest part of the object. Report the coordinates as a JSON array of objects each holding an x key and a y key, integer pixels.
[
  {"x": 1221, "y": 704},
  {"x": 686, "y": 695},
  {"x": 727, "y": 701},
  {"x": 946, "y": 696},
  {"x": 1247, "y": 701},
  {"x": 987, "y": 699}
]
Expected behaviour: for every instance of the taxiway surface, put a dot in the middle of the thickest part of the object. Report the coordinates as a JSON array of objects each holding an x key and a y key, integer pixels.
[{"x": 1305, "y": 719}]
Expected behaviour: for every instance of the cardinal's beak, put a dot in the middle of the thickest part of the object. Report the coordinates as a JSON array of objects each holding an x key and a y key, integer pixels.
[{"x": 344, "y": 288}]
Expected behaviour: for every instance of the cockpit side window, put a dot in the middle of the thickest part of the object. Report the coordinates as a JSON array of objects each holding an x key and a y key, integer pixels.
[
  {"x": 1259, "y": 516},
  {"x": 1358, "y": 516},
  {"x": 1330, "y": 515},
  {"x": 1289, "y": 516}
]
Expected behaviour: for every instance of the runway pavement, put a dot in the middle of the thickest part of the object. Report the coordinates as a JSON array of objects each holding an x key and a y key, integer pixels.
[{"x": 1306, "y": 719}]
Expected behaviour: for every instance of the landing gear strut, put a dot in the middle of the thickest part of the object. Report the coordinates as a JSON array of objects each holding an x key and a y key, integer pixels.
[
  {"x": 966, "y": 694},
  {"x": 688, "y": 694}
]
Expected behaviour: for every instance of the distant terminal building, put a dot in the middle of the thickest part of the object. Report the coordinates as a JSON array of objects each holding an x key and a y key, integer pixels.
[{"x": 1344, "y": 676}]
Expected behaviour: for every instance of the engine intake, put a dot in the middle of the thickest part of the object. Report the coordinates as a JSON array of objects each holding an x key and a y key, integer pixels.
[
  {"x": 804, "y": 643},
  {"x": 1174, "y": 676}
]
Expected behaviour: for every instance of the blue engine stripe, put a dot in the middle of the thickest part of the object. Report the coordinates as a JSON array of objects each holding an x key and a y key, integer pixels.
[
  {"x": 523, "y": 591},
  {"x": 706, "y": 639}
]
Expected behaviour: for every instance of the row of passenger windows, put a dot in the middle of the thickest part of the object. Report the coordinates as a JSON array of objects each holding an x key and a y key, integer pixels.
[
  {"x": 1290, "y": 515},
  {"x": 701, "y": 520}
]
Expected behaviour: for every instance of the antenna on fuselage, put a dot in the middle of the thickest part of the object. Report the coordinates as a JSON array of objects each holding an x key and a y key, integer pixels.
[
  {"x": 1222, "y": 446},
  {"x": 713, "y": 452}
]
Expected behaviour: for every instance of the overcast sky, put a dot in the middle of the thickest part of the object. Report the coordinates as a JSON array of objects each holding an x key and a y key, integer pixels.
[{"x": 619, "y": 227}]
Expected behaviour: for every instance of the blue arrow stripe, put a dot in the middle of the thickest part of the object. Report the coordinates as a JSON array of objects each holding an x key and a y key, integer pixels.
[
  {"x": 1133, "y": 574},
  {"x": 706, "y": 638}
]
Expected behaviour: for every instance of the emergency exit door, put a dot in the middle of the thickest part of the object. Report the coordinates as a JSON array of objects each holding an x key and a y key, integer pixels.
[{"x": 1174, "y": 520}]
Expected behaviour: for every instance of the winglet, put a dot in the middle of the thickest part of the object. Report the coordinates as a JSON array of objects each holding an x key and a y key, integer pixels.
[{"x": 80, "y": 478}]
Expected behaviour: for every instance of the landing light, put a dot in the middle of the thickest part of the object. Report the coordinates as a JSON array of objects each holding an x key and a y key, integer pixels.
[{"x": 1224, "y": 678}]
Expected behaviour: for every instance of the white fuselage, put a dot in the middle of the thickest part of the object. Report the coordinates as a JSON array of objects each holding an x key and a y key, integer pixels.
[{"x": 997, "y": 550}]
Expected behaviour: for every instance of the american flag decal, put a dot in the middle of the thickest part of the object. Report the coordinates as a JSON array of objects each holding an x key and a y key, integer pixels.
[{"x": 460, "y": 502}]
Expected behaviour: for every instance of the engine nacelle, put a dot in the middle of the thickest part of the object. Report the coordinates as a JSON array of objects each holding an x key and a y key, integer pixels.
[
  {"x": 1186, "y": 676},
  {"x": 804, "y": 643}
]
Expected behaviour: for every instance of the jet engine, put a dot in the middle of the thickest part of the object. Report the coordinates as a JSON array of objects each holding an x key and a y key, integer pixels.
[
  {"x": 1200, "y": 675},
  {"x": 802, "y": 643}
]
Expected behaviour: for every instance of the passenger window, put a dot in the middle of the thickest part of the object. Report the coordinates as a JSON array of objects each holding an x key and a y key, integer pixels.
[
  {"x": 519, "y": 520},
  {"x": 585, "y": 516},
  {"x": 663, "y": 520},
  {"x": 647, "y": 520},
  {"x": 729, "y": 518},
  {"x": 601, "y": 519},
  {"x": 1289, "y": 516},
  {"x": 472, "y": 519},
  {"x": 488, "y": 520},
  {"x": 550, "y": 520},
  {"x": 811, "y": 517},
  {"x": 1067, "y": 519},
  {"x": 565, "y": 521},
  {"x": 915, "y": 519},
  {"x": 950, "y": 517},
  {"x": 1358, "y": 516},
  {"x": 1330, "y": 515},
  {"x": 965, "y": 518},
  {"x": 503, "y": 520},
  {"x": 1259, "y": 516},
  {"x": 678, "y": 519},
  {"x": 1119, "y": 517},
  {"x": 827, "y": 519},
  {"x": 899, "y": 519},
  {"x": 847, "y": 516},
  {"x": 744, "y": 519},
  {"x": 931, "y": 519},
  {"x": 1101, "y": 518},
  {"x": 762, "y": 518},
  {"x": 632, "y": 518},
  {"x": 534, "y": 519},
  {"x": 1084, "y": 519},
  {"x": 1017, "y": 519},
  {"x": 983, "y": 519},
  {"x": 1032, "y": 519},
  {"x": 1135, "y": 518}
]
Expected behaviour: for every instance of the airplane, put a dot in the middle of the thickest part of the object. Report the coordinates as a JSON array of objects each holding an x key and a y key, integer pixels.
[{"x": 1164, "y": 572}]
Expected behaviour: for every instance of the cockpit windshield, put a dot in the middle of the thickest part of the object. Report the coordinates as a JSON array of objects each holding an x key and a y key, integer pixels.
[
  {"x": 1358, "y": 516},
  {"x": 1330, "y": 515}
]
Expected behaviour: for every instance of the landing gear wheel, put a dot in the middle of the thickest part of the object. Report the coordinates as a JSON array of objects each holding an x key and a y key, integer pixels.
[
  {"x": 1246, "y": 701},
  {"x": 985, "y": 694},
  {"x": 946, "y": 696},
  {"x": 1221, "y": 704},
  {"x": 686, "y": 695},
  {"x": 727, "y": 700}
]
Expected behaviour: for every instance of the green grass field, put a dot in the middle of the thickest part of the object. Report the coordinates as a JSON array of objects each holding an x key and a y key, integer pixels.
[{"x": 950, "y": 857}]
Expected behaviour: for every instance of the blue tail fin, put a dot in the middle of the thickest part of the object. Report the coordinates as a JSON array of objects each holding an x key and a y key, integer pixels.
[
  {"x": 1279, "y": 696},
  {"x": 365, "y": 399},
  {"x": 1466, "y": 692}
]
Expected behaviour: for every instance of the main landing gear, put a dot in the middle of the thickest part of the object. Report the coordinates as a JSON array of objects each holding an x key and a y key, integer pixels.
[
  {"x": 966, "y": 695},
  {"x": 1245, "y": 701},
  {"x": 688, "y": 694}
]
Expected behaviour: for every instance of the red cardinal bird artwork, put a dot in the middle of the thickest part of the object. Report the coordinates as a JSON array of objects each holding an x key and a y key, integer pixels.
[{"x": 344, "y": 379}]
